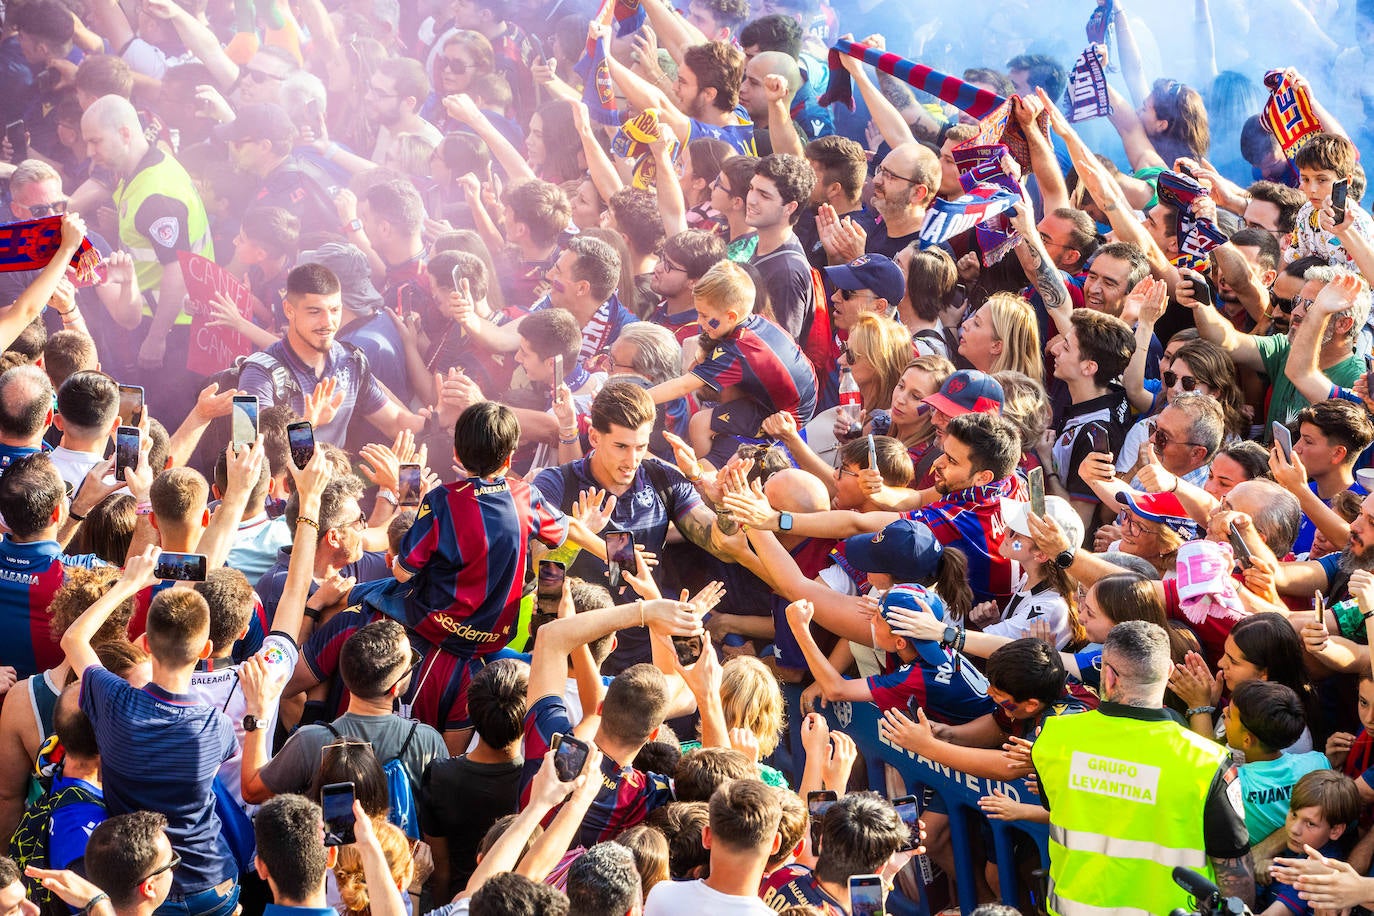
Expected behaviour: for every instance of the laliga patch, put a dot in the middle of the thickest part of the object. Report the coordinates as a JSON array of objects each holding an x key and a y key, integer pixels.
[{"x": 165, "y": 231}]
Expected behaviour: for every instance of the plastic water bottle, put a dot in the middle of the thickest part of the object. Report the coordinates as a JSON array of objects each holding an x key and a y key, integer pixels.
[{"x": 851, "y": 402}]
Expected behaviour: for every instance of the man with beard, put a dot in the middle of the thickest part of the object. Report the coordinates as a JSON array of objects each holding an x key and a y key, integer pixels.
[
  {"x": 1341, "y": 577},
  {"x": 1269, "y": 354},
  {"x": 902, "y": 187},
  {"x": 705, "y": 97},
  {"x": 394, "y": 95},
  {"x": 311, "y": 355},
  {"x": 962, "y": 510}
]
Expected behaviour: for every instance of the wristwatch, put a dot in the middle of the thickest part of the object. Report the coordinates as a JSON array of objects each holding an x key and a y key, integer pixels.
[
  {"x": 948, "y": 638},
  {"x": 353, "y": 225},
  {"x": 252, "y": 723},
  {"x": 1065, "y": 560},
  {"x": 784, "y": 521}
]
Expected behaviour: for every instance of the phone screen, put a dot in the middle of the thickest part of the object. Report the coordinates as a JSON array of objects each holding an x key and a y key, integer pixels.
[
  {"x": 245, "y": 419},
  {"x": 337, "y": 801},
  {"x": 550, "y": 588},
  {"x": 126, "y": 450},
  {"x": 411, "y": 486},
  {"x": 181, "y": 567},
  {"x": 817, "y": 803},
  {"x": 688, "y": 649},
  {"x": 569, "y": 758},
  {"x": 910, "y": 813},
  {"x": 130, "y": 405},
  {"x": 301, "y": 439},
  {"x": 16, "y": 133},
  {"x": 865, "y": 895},
  {"x": 620, "y": 554}
]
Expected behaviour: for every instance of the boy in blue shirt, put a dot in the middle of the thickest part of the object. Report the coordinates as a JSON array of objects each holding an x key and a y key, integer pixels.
[
  {"x": 1325, "y": 803},
  {"x": 1264, "y": 717}
]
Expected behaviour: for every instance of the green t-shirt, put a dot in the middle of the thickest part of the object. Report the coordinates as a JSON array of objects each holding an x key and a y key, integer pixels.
[
  {"x": 1286, "y": 401},
  {"x": 1150, "y": 175},
  {"x": 741, "y": 250},
  {"x": 768, "y": 775}
]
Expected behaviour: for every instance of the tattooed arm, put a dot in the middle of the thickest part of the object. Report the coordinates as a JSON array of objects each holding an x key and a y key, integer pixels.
[
  {"x": 1236, "y": 877},
  {"x": 699, "y": 527},
  {"x": 1040, "y": 270}
]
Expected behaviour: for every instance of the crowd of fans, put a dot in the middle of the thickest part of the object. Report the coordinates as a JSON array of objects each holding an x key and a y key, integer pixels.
[{"x": 488, "y": 419}]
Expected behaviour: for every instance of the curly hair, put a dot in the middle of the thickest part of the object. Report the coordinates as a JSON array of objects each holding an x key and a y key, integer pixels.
[{"x": 349, "y": 868}]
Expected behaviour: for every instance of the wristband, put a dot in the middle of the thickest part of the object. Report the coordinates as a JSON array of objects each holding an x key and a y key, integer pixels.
[
  {"x": 1364, "y": 618},
  {"x": 74, "y": 517},
  {"x": 331, "y": 151},
  {"x": 93, "y": 902},
  {"x": 640, "y": 602},
  {"x": 1199, "y": 710},
  {"x": 302, "y": 520},
  {"x": 144, "y": 509},
  {"x": 388, "y": 496}
]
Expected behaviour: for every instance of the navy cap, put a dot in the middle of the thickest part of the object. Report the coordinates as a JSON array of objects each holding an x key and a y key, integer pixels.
[
  {"x": 912, "y": 597},
  {"x": 874, "y": 272},
  {"x": 968, "y": 391},
  {"x": 905, "y": 549}
]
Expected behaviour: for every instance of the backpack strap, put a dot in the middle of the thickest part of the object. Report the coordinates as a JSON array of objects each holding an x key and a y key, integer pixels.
[
  {"x": 405, "y": 745},
  {"x": 332, "y": 730}
]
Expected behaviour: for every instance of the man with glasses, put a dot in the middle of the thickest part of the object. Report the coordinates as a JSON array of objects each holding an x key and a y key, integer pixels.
[
  {"x": 870, "y": 283},
  {"x": 377, "y": 664},
  {"x": 130, "y": 859},
  {"x": 260, "y": 142},
  {"x": 397, "y": 89},
  {"x": 903, "y": 187},
  {"x": 1335, "y": 353},
  {"x": 683, "y": 260}
]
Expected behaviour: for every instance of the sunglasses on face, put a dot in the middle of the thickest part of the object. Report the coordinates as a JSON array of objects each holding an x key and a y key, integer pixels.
[
  {"x": 454, "y": 66},
  {"x": 56, "y": 208},
  {"x": 1171, "y": 379}
]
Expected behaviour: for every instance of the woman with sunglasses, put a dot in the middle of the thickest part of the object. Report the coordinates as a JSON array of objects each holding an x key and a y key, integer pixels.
[
  {"x": 463, "y": 56},
  {"x": 1147, "y": 396},
  {"x": 1202, "y": 367}
]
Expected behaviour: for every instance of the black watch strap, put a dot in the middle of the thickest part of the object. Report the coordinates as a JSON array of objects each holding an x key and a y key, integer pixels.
[{"x": 1065, "y": 559}]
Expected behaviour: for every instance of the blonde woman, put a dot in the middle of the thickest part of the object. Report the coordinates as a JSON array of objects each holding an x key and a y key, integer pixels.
[
  {"x": 753, "y": 703},
  {"x": 1003, "y": 334}
]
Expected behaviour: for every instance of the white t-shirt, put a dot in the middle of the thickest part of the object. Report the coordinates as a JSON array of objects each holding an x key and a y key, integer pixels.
[
  {"x": 694, "y": 898},
  {"x": 220, "y": 688},
  {"x": 73, "y": 466},
  {"x": 1041, "y": 603}
]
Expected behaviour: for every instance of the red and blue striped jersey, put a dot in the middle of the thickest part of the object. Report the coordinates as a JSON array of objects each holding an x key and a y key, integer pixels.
[
  {"x": 766, "y": 365},
  {"x": 948, "y": 696},
  {"x": 467, "y": 550},
  {"x": 971, "y": 520},
  {"x": 627, "y": 795},
  {"x": 30, "y": 574}
]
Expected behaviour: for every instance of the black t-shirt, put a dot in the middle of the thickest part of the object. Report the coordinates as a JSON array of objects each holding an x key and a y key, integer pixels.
[
  {"x": 1111, "y": 411},
  {"x": 879, "y": 242},
  {"x": 787, "y": 276},
  {"x": 460, "y": 800},
  {"x": 810, "y": 238}
]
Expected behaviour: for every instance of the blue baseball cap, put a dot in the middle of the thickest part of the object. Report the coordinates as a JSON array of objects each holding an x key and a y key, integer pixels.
[
  {"x": 873, "y": 272},
  {"x": 913, "y": 597},
  {"x": 906, "y": 549}
]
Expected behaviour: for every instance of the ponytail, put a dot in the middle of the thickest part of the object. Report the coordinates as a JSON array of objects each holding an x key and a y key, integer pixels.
[{"x": 951, "y": 582}]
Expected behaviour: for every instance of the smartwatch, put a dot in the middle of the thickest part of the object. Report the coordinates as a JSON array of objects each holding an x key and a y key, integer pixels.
[
  {"x": 252, "y": 723},
  {"x": 353, "y": 225},
  {"x": 784, "y": 521},
  {"x": 948, "y": 638},
  {"x": 1065, "y": 559}
]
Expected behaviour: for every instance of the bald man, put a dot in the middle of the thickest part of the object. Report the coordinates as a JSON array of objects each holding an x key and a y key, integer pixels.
[
  {"x": 160, "y": 216},
  {"x": 768, "y": 109},
  {"x": 906, "y": 182}
]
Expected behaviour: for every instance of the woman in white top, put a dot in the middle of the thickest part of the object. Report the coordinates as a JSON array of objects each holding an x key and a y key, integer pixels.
[{"x": 1046, "y": 592}]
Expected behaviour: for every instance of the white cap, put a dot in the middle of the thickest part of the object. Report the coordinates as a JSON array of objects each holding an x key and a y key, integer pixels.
[{"x": 1015, "y": 512}]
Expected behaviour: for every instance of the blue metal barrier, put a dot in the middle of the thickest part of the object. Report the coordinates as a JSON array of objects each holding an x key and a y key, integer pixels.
[{"x": 960, "y": 793}]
